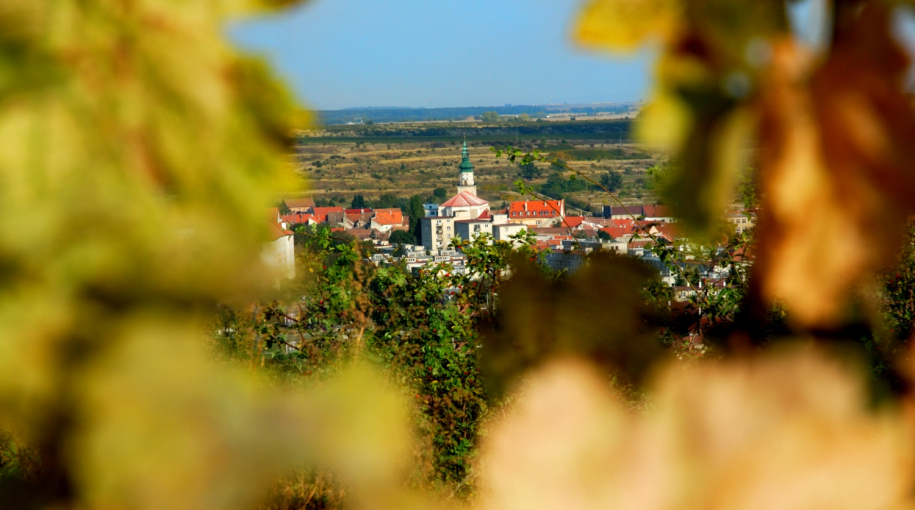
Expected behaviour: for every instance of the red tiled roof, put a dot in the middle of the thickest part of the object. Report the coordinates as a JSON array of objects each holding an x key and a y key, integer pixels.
[
  {"x": 668, "y": 230},
  {"x": 484, "y": 216},
  {"x": 657, "y": 211},
  {"x": 535, "y": 209},
  {"x": 322, "y": 212},
  {"x": 550, "y": 230},
  {"x": 357, "y": 211},
  {"x": 572, "y": 221},
  {"x": 297, "y": 218},
  {"x": 616, "y": 232},
  {"x": 627, "y": 222},
  {"x": 464, "y": 199},
  {"x": 388, "y": 217},
  {"x": 325, "y": 210},
  {"x": 276, "y": 231}
]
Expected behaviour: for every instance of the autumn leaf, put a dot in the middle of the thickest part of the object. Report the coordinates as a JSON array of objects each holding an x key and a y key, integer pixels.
[
  {"x": 836, "y": 173},
  {"x": 597, "y": 312},
  {"x": 789, "y": 431}
]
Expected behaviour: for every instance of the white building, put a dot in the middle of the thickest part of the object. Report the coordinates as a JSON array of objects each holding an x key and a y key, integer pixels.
[
  {"x": 469, "y": 229},
  {"x": 437, "y": 232},
  {"x": 503, "y": 232},
  {"x": 279, "y": 253}
]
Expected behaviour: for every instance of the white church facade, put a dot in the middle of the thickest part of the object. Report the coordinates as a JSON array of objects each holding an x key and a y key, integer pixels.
[{"x": 464, "y": 214}]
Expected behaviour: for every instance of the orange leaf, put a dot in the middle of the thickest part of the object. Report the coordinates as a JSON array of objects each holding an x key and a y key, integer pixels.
[{"x": 836, "y": 182}]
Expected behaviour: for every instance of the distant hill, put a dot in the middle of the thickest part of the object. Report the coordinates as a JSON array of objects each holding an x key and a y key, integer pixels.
[{"x": 382, "y": 114}]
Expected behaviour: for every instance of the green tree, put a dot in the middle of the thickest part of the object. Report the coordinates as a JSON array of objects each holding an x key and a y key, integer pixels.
[
  {"x": 416, "y": 211},
  {"x": 611, "y": 181},
  {"x": 358, "y": 202},
  {"x": 402, "y": 237},
  {"x": 440, "y": 194},
  {"x": 530, "y": 171},
  {"x": 490, "y": 117}
]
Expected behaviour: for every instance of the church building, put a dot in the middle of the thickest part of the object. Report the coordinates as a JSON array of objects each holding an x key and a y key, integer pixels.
[{"x": 438, "y": 231}]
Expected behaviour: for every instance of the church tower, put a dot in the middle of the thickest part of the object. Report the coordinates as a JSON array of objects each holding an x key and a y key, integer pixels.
[{"x": 466, "y": 180}]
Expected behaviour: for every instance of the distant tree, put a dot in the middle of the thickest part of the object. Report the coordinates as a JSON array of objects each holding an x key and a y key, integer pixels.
[
  {"x": 611, "y": 180},
  {"x": 386, "y": 201},
  {"x": 440, "y": 194},
  {"x": 604, "y": 236},
  {"x": 415, "y": 211},
  {"x": 558, "y": 165},
  {"x": 529, "y": 171},
  {"x": 402, "y": 237},
  {"x": 524, "y": 117},
  {"x": 490, "y": 116},
  {"x": 358, "y": 202}
]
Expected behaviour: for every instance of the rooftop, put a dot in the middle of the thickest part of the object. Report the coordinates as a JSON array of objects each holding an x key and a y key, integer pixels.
[{"x": 464, "y": 199}]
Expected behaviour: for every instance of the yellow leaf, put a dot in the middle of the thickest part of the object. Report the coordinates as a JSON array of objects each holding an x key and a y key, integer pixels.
[
  {"x": 625, "y": 24},
  {"x": 836, "y": 178}
]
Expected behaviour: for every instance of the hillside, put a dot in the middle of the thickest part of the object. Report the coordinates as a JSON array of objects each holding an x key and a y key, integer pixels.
[{"x": 338, "y": 167}]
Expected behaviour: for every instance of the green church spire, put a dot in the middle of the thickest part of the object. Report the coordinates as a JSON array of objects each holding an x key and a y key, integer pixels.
[{"x": 466, "y": 165}]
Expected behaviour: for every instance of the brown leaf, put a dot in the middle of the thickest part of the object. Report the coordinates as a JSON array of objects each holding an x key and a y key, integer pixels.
[
  {"x": 598, "y": 312},
  {"x": 836, "y": 178},
  {"x": 790, "y": 431}
]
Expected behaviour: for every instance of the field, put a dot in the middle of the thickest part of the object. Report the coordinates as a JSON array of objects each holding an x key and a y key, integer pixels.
[{"x": 405, "y": 160}]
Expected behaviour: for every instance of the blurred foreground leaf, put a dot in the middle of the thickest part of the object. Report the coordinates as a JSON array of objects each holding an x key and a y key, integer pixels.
[
  {"x": 597, "y": 312},
  {"x": 833, "y": 131},
  {"x": 789, "y": 432},
  {"x": 138, "y": 156}
]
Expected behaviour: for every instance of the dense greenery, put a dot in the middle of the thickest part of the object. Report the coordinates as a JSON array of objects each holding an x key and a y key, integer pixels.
[
  {"x": 426, "y": 114},
  {"x": 502, "y": 133},
  {"x": 422, "y": 327}
]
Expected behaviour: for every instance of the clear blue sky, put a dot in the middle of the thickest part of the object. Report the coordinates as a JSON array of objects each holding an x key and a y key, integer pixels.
[{"x": 436, "y": 53}]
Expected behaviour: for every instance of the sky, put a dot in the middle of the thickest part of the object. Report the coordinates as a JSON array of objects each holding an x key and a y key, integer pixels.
[
  {"x": 443, "y": 53},
  {"x": 439, "y": 53}
]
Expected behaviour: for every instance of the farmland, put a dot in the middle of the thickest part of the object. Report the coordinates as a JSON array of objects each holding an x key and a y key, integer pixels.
[{"x": 415, "y": 159}]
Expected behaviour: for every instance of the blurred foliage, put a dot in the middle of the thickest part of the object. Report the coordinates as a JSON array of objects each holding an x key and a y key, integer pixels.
[
  {"x": 140, "y": 153},
  {"x": 596, "y": 312},
  {"x": 832, "y": 127},
  {"x": 789, "y": 431},
  {"x": 419, "y": 327}
]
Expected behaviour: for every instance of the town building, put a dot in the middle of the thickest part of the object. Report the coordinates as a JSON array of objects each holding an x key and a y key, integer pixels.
[
  {"x": 278, "y": 254},
  {"x": 468, "y": 229},
  {"x": 741, "y": 221},
  {"x": 386, "y": 220},
  {"x": 438, "y": 231},
  {"x": 537, "y": 212},
  {"x": 330, "y": 215},
  {"x": 298, "y": 205},
  {"x": 504, "y": 231},
  {"x": 649, "y": 213},
  {"x": 430, "y": 210}
]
